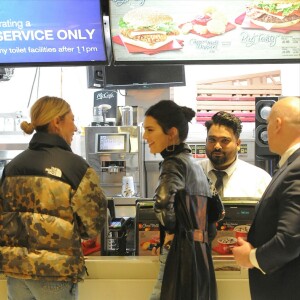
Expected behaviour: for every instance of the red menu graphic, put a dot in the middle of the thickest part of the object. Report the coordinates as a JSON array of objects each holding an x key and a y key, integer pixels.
[{"x": 173, "y": 45}]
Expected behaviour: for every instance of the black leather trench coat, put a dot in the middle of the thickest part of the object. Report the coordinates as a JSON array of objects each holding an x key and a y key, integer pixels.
[{"x": 180, "y": 205}]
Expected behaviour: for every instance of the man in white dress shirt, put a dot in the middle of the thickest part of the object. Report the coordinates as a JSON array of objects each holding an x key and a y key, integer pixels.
[{"x": 241, "y": 178}]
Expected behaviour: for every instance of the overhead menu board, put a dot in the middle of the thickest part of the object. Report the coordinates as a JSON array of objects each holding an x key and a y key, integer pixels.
[
  {"x": 51, "y": 32},
  {"x": 205, "y": 32}
]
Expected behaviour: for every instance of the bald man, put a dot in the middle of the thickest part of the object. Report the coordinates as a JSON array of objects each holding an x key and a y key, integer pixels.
[{"x": 272, "y": 252}]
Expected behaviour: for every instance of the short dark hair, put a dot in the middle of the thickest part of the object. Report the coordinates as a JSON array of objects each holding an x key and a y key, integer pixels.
[
  {"x": 226, "y": 119},
  {"x": 168, "y": 114}
]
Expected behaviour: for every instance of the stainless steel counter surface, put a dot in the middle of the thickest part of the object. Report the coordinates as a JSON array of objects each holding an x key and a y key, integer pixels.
[
  {"x": 133, "y": 277},
  {"x": 104, "y": 267}
]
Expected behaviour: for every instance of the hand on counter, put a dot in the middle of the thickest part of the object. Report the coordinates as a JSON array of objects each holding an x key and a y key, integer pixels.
[
  {"x": 155, "y": 251},
  {"x": 241, "y": 253},
  {"x": 167, "y": 244}
]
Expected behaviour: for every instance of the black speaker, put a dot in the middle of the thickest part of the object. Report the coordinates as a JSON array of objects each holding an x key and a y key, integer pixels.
[
  {"x": 95, "y": 77},
  {"x": 263, "y": 107}
]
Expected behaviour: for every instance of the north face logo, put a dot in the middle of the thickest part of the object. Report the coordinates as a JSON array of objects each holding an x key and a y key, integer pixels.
[{"x": 54, "y": 171}]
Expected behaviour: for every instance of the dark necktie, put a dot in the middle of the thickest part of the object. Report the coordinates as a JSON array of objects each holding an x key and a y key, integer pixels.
[{"x": 219, "y": 182}]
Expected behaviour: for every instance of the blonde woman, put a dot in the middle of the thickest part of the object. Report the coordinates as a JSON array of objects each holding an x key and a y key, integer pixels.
[{"x": 49, "y": 200}]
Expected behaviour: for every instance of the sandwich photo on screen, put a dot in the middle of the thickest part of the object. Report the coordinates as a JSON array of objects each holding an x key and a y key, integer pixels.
[
  {"x": 274, "y": 13},
  {"x": 148, "y": 28}
]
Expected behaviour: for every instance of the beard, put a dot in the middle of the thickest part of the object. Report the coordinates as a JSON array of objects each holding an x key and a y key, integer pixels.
[{"x": 217, "y": 160}]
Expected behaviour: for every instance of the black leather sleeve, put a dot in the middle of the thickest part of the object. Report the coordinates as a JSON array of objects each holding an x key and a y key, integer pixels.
[{"x": 171, "y": 179}]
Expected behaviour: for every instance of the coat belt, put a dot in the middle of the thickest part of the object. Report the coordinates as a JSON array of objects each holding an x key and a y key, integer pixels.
[{"x": 200, "y": 236}]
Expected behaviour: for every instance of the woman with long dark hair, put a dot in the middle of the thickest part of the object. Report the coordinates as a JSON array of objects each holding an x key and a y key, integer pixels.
[{"x": 180, "y": 206}]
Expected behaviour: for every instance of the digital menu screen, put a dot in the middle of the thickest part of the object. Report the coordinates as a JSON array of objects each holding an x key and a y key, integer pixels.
[
  {"x": 206, "y": 31},
  {"x": 111, "y": 142},
  {"x": 45, "y": 32}
]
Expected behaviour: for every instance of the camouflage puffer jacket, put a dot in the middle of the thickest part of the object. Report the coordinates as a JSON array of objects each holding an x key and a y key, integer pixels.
[{"x": 49, "y": 200}]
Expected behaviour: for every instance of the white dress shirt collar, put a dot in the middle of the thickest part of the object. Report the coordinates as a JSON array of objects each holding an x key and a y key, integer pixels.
[
  {"x": 228, "y": 171},
  {"x": 287, "y": 154}
]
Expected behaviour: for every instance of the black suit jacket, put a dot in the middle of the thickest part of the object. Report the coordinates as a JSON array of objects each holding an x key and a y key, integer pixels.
[{"x": 275, "y": 232}]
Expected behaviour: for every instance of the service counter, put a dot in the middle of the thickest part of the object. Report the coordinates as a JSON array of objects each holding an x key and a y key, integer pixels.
[{"x": 133, "y": 277}]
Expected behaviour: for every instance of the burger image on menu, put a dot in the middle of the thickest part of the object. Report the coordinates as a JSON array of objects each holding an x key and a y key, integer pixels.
[
  {"x": 274, "y": 13},
  {"x": 147, "y": 27}
]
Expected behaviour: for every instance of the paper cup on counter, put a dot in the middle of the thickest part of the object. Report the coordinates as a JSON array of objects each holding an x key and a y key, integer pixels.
[
  {"x": 128, "y": 186},
  {"x": 241, "y": 231}
]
